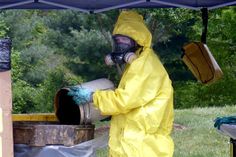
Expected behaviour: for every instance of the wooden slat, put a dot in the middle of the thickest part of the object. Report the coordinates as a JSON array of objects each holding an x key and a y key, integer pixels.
[{"x": 6, "y": 132}]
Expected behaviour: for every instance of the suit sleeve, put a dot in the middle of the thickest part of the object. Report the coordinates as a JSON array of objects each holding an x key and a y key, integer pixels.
[{"x": 138, "y": 86}]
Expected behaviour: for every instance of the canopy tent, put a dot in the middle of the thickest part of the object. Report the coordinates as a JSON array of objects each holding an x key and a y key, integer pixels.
[{"x": 96, "y": 6}]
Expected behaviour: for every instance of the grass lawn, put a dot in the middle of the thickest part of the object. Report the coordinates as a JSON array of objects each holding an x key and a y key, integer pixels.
[{"x": 199, "y": 138}]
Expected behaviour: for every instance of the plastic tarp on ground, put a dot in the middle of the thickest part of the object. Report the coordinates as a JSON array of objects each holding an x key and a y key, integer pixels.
[
  {"x": 228, "y": 130},
  {"x": 94, "y": 6},
  {"x": 85, "y": 149}
]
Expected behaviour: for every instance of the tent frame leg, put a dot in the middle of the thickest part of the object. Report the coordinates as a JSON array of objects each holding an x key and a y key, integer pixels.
[
  {"x": 232, "y": 147},
  {"x": 6, "y": 131}
]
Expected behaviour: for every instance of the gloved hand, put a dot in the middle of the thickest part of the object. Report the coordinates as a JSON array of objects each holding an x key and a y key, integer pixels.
[{"x": 80, "y": 95}]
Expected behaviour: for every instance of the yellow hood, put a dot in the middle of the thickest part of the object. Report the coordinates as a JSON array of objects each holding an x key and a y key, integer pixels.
[{"x": 131, "y": 24}]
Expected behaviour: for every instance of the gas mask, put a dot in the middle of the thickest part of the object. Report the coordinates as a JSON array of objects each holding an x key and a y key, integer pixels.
[{"x": 123, "y": 50}]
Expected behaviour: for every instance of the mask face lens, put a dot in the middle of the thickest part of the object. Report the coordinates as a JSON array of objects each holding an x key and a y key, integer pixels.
[
  {"x": 122, "y": 48},
  {"x": 122, "y": 44},
  {"x": 122, "y": 40}
]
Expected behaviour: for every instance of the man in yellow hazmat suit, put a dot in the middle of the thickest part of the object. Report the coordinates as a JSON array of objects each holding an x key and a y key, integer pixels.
[{"x": 142, "y": 105}]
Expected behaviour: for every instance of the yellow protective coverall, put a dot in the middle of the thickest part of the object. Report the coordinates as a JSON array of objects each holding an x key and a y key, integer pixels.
[{"x": 142, "y": 105}]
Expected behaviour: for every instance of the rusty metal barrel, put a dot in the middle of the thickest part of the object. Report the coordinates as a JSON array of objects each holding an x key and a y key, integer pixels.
[{"x": 68, "y": 112}]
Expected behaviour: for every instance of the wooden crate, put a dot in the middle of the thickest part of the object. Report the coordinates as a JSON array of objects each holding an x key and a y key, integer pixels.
[
  {"x": 44, "y": 129},
  {"x": 40, "y": 134}
]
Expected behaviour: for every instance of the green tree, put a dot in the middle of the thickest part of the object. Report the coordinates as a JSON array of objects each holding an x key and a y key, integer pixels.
[{"x": 23, "y": 93}]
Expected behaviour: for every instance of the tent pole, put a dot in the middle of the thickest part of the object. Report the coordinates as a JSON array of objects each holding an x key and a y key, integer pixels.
[
  {"x": 119, "y": 6},
  {"x": 204, "y": 24},
  {"x": 6, "y": 131},
  {"x": 64, "y": 6},
  {"x": 222, "y": 5},
  {"x": 175, "y": 5},
  {"x": 16, "y": 4}
]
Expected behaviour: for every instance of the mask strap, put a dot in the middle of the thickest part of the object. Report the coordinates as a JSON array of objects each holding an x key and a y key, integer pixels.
[{"x": 120, "y": 69}]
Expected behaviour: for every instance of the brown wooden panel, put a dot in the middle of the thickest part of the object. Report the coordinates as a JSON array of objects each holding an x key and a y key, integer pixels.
[{"x": 38, "y": 134}]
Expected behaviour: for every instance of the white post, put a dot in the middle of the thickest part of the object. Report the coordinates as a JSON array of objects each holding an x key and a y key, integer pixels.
[{"x": 6, "y": 131}]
